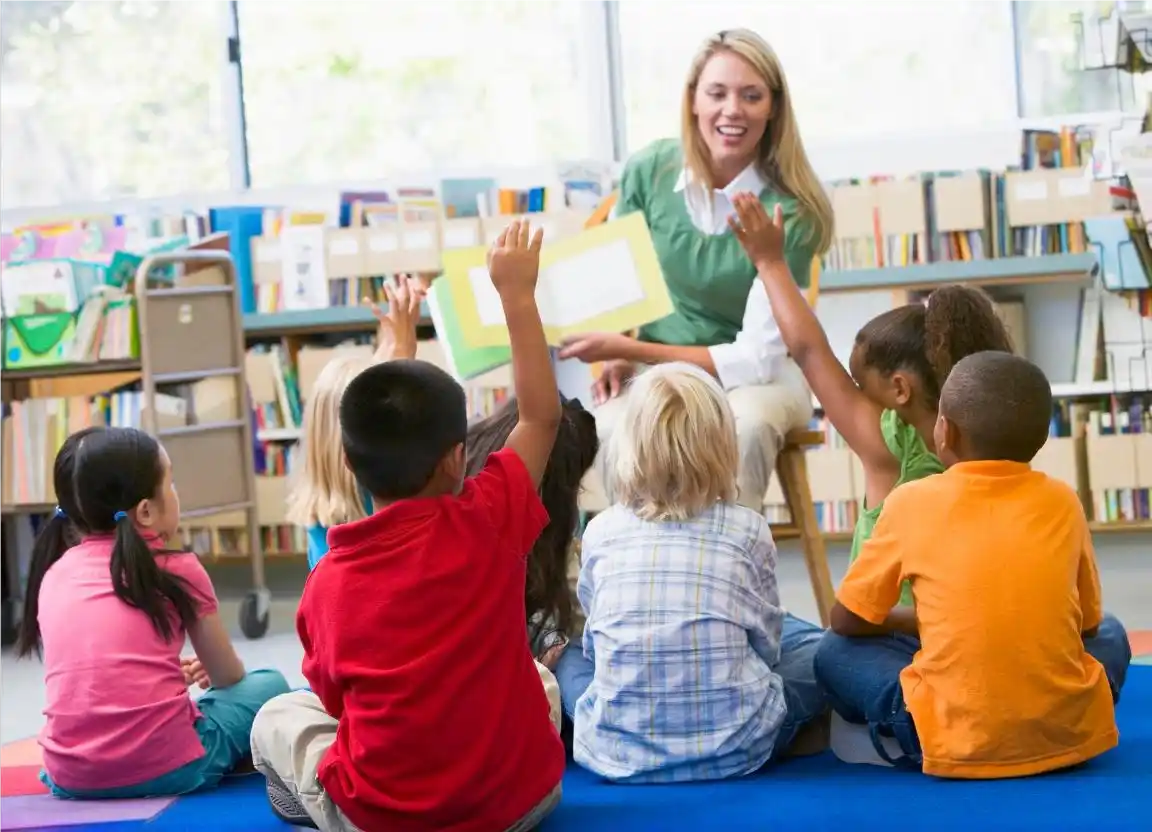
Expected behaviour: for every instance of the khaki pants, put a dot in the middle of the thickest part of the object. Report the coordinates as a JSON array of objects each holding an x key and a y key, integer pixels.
[
  {"x": 764, "y": 415},
  {"x": 293, "y": 732}
]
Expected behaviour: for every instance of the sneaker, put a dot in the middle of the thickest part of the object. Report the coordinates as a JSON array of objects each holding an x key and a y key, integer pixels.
[{"x": 286, "y": 805}]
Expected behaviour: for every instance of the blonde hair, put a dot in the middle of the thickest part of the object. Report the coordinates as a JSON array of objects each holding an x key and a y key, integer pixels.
[
  {"x": 674, "y": 452},
  {"x": 781, "y": 156},
  {"x": 324, "y": 491}
]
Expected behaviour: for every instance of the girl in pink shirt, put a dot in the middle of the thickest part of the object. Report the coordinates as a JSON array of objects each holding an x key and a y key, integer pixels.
[{"x": 109, "y": 607}]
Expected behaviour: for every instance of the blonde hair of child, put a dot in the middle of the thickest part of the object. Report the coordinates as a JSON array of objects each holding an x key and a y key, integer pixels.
[
  {"x": 324, "y": 491},
  {"x": 673, "y": 453},
  {"x": 781, "y": 157}
]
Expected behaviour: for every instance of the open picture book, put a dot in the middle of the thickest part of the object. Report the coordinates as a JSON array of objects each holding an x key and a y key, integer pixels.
[{"x": 604, "y": 279}]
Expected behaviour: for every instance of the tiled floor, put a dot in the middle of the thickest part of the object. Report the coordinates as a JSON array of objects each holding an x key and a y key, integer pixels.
[{"x": 1125, "y": 565}]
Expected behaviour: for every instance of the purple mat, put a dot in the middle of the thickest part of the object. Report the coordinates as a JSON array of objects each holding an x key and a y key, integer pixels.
[{"x": 41, "y": 810}]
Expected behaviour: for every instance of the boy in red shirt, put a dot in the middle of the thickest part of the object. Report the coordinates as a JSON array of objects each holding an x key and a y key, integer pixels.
[{"x": 428, "y": 711}]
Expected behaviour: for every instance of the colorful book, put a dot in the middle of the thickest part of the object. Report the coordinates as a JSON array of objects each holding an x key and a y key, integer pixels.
[
  {"x": 464, "y": 362},
  {"x": 604, "y": 279}
]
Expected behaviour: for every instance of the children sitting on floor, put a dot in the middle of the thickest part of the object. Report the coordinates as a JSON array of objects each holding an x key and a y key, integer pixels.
[
  {"x": 325, "y": 493},
  {"x": 689, "y": 669},
  {"x": 886, "y": 408},
  {"x": 428, "y": 711},
  {"x": 1008, "y": 666},
  {"x": 547, "y": 597},
  {"x": 110, "y": 604}
]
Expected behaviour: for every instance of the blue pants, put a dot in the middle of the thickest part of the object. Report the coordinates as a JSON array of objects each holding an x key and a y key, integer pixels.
[
  {"x": 225, "y": 729},
  {"x": 862, "y": 679},
  {"x": 803, "y": 696}
]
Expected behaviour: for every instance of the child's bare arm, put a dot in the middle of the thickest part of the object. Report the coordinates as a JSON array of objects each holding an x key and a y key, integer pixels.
[
  {"x": 853, "y": 414},
  {"x": 215, "y": 651},
  {"x": 847, "y": 623},
  {"x": 396, "y": 333},
  {"x": 514, "y": 265}
]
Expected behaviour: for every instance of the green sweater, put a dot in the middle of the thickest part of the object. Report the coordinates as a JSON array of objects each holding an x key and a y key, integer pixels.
[
  {"x": 708, "y": 276},
  {"x": 916, "y": 462}
]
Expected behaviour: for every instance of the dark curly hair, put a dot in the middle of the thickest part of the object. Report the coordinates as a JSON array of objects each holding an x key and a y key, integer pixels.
[
  {"x": 930, "y": 338},
  {"x": 546, "y": 596}
]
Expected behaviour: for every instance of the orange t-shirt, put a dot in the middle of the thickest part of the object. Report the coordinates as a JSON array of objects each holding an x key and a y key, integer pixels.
[{"x": 1005, "y": 582}]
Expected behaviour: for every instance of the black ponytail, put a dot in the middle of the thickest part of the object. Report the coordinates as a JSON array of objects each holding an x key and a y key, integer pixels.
[
  {"x": 55, "y": 538},
  {"x": 139, "y": 582},
  {"x": 115, "y": 470}
]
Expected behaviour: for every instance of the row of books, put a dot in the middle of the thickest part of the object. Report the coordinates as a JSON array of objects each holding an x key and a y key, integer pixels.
[
  {"x": 1120, "y": 440},
  {"x": 280, "y": 384}
]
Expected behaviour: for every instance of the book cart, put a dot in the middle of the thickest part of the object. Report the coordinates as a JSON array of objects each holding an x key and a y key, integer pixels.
[{"x": 189, "y": 332}]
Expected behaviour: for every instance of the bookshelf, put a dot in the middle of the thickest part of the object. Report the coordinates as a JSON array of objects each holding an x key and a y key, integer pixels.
[{"x": 1076, "y": 269}]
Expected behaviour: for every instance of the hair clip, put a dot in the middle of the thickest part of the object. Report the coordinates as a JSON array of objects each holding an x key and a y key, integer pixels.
[
  {"x": 118, "y": 516},
  {"x": 59, "y": 512}
]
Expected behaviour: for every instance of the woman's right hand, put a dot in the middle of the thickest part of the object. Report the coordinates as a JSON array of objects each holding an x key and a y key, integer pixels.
[{"x": 613, "y": 377}]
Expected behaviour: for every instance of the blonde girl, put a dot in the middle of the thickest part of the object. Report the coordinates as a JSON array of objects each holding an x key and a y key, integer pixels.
[
  {"x": 738, "y": 134},
  {"x": 325, "y": 493},
  {"x": 689, "y": 668}
]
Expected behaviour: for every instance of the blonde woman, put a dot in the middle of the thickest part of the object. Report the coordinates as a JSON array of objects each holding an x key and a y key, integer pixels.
[
  {"x": 689, "y": 669},
  {"x": 738, "y": 135},
  {"x": 324, "y": 492}
]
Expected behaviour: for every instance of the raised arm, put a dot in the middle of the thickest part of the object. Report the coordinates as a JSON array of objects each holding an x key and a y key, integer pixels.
[
  {"x": 853, "y": 414},
  {"x": 514, "y": 265}
]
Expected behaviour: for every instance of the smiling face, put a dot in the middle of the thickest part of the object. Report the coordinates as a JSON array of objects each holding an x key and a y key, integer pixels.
[{"x": 732, "y": 106}]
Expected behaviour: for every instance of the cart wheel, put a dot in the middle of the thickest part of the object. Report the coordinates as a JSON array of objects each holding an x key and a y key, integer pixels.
[{"x": 255, "y": 612}]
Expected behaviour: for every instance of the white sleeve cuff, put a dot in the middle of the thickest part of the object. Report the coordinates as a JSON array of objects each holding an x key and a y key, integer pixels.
[{"x": 737, "y": 366}]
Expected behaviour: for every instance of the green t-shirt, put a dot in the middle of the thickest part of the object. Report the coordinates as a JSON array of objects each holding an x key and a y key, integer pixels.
[
  {"x": 916, "y": 462},
  {"x": 708, "y": 276}
]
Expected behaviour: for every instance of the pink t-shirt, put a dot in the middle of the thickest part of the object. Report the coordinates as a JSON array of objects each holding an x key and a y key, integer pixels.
[{"x": 119, "y": 713}]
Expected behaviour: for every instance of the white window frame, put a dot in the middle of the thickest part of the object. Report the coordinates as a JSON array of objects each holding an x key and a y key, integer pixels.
[{"x": 599, "y": 28}]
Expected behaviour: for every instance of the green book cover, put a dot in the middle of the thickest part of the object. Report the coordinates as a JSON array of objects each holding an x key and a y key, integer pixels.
[{"x": 464, "y": 362}]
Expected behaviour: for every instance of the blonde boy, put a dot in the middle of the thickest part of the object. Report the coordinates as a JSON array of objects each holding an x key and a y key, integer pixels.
[{"x": 688, "y": 669}]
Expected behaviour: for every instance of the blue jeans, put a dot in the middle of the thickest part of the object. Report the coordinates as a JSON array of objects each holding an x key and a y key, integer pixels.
[
  {"x": 862, "y": 679},
  {"x": 225, "y": 729},
  {"x": 803, "y": 696}
]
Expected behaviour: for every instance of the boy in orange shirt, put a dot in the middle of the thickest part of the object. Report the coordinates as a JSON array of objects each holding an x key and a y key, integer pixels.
[{"x": 1008, "y": 666}]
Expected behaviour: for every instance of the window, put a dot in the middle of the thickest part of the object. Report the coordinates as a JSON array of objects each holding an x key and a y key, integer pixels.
[
  {"x": 854, "y": 69},
  {"x": 363, "y": 91},
  {"x": 110, "y": 99},
  {"x": 1050, "y": 38}
]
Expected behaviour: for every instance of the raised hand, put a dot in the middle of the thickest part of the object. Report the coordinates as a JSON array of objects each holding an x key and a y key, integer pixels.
[
  {"x": 762, "y": 237},
  {"x": 514, "y": 260},
  {"x": 396, "y": 325}
]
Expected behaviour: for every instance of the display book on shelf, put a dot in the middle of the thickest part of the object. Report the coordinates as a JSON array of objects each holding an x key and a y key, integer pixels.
[{"x": 191, "y": 351}]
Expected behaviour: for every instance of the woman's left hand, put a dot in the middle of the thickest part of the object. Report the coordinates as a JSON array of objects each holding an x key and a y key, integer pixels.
[{"x": 596, "y": 346}]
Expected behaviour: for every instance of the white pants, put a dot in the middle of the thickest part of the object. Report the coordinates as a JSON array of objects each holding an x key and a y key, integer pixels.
[
  {"x": 764, "y": 416},
  {"x": 293, "y": 732}
]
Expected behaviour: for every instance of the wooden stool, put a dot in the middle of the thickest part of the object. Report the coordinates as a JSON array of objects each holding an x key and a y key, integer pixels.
[{"x": 792, "y": 471}]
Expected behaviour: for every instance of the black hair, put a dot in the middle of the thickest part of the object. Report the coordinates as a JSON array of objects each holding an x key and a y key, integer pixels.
[
  {"x": 547, "y": 598},
  {"x": 398, "y": 420},
  {"x": 100, "y": 475},
  {"x": 1000, "y": 403},
  {"x": 928, "y": 339}
]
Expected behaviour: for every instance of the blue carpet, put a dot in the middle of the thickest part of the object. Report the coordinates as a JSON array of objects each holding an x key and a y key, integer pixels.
[{"x": 818, "y": 793}]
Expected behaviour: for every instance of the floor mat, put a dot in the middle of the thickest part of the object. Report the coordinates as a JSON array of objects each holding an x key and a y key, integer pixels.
[{"x": 1109, "y": 793}]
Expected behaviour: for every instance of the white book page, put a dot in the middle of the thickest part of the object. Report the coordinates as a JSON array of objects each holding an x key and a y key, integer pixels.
[{"x": 590, "y": 284}]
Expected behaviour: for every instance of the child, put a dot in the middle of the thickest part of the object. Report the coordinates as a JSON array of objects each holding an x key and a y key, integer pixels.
[
  {"x": 1016, "y": 668},
  {"x": 886, "y": 408},
  {"x": 111, "y": 613},
  {"x": 428, "y": 711},
  {"x": 547, "y": 597},
  {"x": 325, "y": 494},
  {"x": 689, "y": 669}
]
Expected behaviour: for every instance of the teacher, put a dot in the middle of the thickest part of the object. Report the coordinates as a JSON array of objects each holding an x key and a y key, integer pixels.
[{"x": 738, "y": 135}]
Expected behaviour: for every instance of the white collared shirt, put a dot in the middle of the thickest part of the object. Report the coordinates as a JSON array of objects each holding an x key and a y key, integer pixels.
[{"x": 756, "y": 354}]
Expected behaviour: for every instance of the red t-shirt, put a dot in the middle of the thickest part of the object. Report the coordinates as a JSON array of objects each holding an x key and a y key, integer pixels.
[{"x": 414, "y": 640}]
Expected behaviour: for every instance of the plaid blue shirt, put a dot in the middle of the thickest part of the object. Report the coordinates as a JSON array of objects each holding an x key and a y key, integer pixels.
[{"x": 683, "y": 627}]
